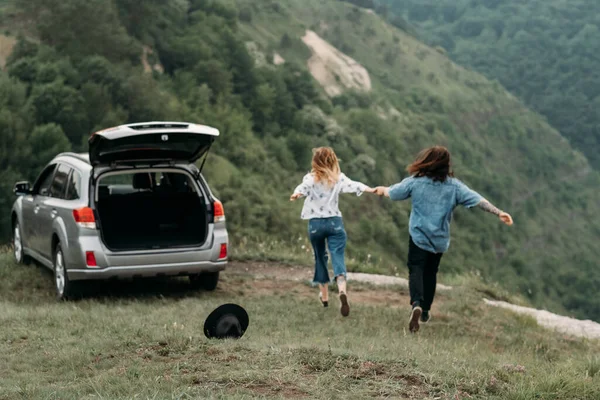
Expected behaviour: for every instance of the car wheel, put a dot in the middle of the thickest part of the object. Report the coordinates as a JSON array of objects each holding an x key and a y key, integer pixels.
[
  {"x": 207, "y": 281},
  {"x": 65, "y": 289},
  {"x": 18, "y": 250}
]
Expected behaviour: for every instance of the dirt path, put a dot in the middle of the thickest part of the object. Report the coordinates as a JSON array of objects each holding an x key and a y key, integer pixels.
[
  {"x": 571, "y": 326},
  {"x": 274, "y": 271},
  {"x": 274, "y": 278},
  {"x": 269, "y": 279}
]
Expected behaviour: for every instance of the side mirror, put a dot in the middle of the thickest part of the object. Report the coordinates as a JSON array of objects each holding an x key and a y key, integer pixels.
[{"x": 22, "y": 188}]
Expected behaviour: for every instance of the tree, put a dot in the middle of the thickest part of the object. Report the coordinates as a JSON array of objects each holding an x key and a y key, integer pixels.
[
  {"x": 24, "y": 69},
  {"x": 216, "y": 75},
  {"x": 262, "y": 106},
  {"x": 46, "y": 141},
  {"x": 82, "y": 28},
  {"x": 57, "y": 103},
  {"x": 245, "y": 14}
]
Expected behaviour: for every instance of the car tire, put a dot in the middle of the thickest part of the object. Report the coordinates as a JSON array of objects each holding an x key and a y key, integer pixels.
[
  {"x": 65, "y": 289},
  {"x": 207, "y": 281},
  {"x": 18, "y": 250}
]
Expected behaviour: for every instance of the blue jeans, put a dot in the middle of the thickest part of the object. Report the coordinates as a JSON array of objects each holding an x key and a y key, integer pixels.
[{"x": 330, "y": 230}]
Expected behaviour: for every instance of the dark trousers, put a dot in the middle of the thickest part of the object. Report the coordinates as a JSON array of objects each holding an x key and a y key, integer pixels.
[{"x": 422, "y": 268}]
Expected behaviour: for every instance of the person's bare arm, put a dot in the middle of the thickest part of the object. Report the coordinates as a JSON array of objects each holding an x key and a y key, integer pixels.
[{"x": 489, "y": 207}]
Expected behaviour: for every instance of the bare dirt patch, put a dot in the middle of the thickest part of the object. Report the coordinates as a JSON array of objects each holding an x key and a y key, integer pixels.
[
  {"x": 334, "y": 70},
  {"x": 147, "y": 52},
  {"x": 268, "y": 279},
  {"x": 298, "y": 273},
  {"x": 277, "y": 59},
  {"x": 7, "y": 44},
  {"x": 281, "y": 280}
]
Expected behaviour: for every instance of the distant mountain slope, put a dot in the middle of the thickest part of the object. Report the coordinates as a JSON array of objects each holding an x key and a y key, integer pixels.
[
  {"x": 501, "y": 148},
  {"x": 545, "y": 51},
  {"x": 214, "y": 64}
]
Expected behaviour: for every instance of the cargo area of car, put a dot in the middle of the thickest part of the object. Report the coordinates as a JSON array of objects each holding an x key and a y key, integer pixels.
[{"x": 151, "y": 210}]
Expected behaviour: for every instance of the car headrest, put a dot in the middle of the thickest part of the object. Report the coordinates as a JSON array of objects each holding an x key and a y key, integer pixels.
[
  {"x": 179, "y": 182},
  {"x": 142, "y": 181}
]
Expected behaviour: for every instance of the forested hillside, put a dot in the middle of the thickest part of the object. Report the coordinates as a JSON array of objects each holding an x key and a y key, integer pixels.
[
  {"x": 546, "y": 52},
  {"x": 280, "y": 77}
]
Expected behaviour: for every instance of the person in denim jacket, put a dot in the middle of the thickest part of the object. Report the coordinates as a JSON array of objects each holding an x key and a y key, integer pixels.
[
  {"x": 321, "y": 189},
  {"x": 435, "y": 193}
]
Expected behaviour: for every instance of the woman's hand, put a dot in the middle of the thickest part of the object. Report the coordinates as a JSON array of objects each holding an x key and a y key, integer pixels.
[
  {"x": 370, "y": 190},
  {"x": 382, "y": 191},
  {"x": 489, "y": 207},
  {"x": 506, "y": 218},
  {"x": 295, "y": 196}
]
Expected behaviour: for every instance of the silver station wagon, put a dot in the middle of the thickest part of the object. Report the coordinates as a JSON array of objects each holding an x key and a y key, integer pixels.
[{"x": 135, "y": 206}]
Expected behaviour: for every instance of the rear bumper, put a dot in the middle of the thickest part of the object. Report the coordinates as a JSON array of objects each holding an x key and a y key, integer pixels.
[{"x": 141, "y": 271}]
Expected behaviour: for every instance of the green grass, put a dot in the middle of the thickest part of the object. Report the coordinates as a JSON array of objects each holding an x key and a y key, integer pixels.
[{"x": 145, "y": 341}]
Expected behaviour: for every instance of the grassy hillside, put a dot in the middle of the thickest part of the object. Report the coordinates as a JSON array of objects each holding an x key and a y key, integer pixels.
[
  {"x": 145, "y": 340},
  {"x": 211, "y": 61},
  {"x": 504, "y": 150},
  {"x": 544, "y": 51}
]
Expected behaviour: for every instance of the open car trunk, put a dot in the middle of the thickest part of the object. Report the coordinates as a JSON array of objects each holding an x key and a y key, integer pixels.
[{"x": 151, "y": 210}]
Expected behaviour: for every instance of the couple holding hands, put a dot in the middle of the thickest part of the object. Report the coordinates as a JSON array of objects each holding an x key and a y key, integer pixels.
[{"x": 434, "y": 193}]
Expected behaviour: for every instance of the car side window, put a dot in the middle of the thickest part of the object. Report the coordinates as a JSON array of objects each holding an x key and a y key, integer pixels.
[
  {"x": 59, "y": 183},
  {"x": 74, "y": 186},
  {"x": 42, "y": 185}
]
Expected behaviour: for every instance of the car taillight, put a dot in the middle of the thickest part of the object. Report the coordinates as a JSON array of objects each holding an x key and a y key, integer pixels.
[
  {"x": 223, "y": 252},
  {"x": 90, "y": 259},
  {"x": 84, "y": 217},
  {"x": 218, "y": 211}
]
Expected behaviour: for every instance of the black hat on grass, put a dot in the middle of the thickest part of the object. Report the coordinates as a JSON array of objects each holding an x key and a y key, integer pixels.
[{"x": 228, "y": 321}]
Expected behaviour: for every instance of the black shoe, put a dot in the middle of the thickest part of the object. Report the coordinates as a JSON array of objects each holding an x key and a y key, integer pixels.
[
  {"x": 345, "y": 307},
  {"x": 325, "y": 303},
  {"x": 415, "y": 315},
  {"x": 425, "y": 316}
]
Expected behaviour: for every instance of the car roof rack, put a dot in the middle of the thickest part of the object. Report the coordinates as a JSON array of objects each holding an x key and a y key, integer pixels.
[{"x": 79, "y": 156}]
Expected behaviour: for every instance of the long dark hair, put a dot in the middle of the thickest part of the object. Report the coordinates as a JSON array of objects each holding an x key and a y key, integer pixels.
[{"x": 433, "y": 162}]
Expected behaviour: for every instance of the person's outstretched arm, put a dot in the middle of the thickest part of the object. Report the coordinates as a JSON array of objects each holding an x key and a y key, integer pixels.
[
  {"x": 350, "y": 186},
  {"x": 303, "y": 189},
  {"x": 470, "y": 198},
  {"x": 489, "y": 207},
  {"x": 399, "y": 191}
]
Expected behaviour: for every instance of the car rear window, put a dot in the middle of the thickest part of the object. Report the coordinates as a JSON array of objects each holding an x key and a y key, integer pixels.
[{"x": 74, "y": 186}]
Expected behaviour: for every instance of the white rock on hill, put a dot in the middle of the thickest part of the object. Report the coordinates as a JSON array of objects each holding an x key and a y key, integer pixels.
[{"x": 334, "y": 70}]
